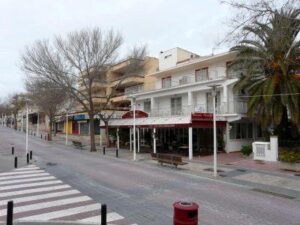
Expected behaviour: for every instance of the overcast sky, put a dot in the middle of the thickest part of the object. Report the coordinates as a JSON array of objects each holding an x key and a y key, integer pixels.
[{"x": 195, "y": 25}]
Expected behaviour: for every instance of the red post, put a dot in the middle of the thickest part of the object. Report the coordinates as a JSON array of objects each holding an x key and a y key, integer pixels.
[{"x": 185, "y": 213}]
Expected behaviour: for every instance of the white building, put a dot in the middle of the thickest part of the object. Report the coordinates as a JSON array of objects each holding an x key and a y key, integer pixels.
[{"x": 179, "y": 108}]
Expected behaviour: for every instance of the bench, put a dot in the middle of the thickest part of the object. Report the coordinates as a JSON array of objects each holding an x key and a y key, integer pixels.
[
  {"x": 78, "y": 144},
  {"x": 168, "y": 159}
]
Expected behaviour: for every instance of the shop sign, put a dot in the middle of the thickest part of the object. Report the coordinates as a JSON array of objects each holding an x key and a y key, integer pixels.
[
  {"x": 138, "y": 114},
  {"x": 202, "y": 116}
]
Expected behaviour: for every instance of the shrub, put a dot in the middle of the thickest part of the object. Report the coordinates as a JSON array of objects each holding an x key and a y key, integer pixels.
[
  {"x": 289, "y": 156},
  {"x": 246, "y": 150}
]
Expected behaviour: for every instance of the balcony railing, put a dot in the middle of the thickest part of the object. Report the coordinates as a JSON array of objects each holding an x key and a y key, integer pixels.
[
  {"x": 223, "y": 108},
  {"x": 134, "y": 89}
]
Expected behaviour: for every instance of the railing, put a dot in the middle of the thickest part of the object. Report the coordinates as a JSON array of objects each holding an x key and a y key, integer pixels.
[
  {"x": 134, "y": 89},
  {"x": 223, "y": 108},
  {"x": 260, "y": 150}
]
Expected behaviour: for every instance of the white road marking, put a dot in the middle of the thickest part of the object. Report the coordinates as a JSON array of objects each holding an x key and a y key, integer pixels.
[
  {"x": 30, "y": 185},
  {"x": 22, "y": 172},
  {"x": 27, "y": 180},
  {"x": 44, "y": 205},
  {"x": 62, "y": 213},
  {"x": 110, "y": 217},
  {"x": 42, "y": 196},
  {"x": 24, "y": 176},
  {"x": 27, "y": 168},
  {"x": 35, "y": 190}
]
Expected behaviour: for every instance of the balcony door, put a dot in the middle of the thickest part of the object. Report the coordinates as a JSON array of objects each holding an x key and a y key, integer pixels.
[
  {"x": 176, "y": 106},
  {"x": 209, "y": 102}
]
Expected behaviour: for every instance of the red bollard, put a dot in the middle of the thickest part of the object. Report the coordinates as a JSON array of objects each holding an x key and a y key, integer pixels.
[{"x": 185, "y": 213}]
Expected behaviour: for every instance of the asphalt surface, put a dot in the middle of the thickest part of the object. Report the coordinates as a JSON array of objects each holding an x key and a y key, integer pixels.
[{"x": 144, "y": 193}]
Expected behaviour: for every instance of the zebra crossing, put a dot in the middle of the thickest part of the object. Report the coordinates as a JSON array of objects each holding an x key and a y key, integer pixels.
[{"x": 39, "y": 196}]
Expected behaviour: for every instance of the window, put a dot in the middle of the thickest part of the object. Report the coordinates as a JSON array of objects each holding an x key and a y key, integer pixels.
[
  {"x": 147, "y": 106},
  {"x": 201, "y": 74},
  {"x": 166, "y": 82},
  {"x": 168, "y": 56},
  {"x": 241, "y": 131},
  {"x": 176, "y": 106}
]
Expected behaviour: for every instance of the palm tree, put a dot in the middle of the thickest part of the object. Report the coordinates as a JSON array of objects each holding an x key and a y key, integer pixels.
[{"x": 269, "y": 58}]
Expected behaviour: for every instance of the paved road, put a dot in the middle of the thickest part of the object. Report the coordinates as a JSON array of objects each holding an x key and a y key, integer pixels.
[{"x": 144, "y": 193}]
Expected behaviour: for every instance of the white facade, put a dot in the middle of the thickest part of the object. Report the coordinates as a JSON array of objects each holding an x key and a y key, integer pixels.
[{"x": 183, "y": 89}]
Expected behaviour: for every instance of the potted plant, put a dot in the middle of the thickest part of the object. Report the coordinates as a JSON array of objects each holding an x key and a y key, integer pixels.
[
  {"x": 246, "y": 150},
  {"x": 290, "y": 160}
]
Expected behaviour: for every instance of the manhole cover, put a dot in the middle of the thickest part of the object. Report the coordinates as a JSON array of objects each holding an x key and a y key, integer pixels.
[{"x": 51, "y": 164}]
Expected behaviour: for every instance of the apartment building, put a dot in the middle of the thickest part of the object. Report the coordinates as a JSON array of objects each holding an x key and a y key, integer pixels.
[
  {"x": 119, "y": 82},
  {"x": 177, "y": 109}
]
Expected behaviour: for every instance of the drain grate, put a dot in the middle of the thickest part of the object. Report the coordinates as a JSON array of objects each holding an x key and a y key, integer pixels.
[
  {"x": 297, "y": 174},
  {"x": 241, "y": 170},
  {"x": 51, "y": 164},
  {"x": 222, "y": 175},
  {"x": 211, "y": 170},
  {"x": 273, "y": 193}
]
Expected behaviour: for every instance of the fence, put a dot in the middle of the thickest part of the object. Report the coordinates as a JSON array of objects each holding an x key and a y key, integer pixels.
[{"x": 267, "y": 151}]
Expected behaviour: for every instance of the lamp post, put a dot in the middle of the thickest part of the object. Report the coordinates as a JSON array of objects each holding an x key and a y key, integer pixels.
[
  {"x": 27, "y": 126},
  {"x": 67, "y": 124},
  {"x": 134, "y": 140},
  {"x": 214, "y": 94}
]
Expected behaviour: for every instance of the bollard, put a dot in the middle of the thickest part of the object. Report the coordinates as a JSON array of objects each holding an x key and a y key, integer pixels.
[
  {"x": 30, "y": 156},
  {"x": 103, "y": 214},
  {"x": 9, "y": 217},
  {"x": 117, "y": 153},
  {"x": 16, "y": 162},
  {"x": 13, "y": 150},
  {"x": 27, "y": 157},
  {"x": 41, "y": 136},
  {"x": 103, "y": 150}
]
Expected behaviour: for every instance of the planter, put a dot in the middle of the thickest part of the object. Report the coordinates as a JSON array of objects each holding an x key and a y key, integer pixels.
[{"x": 290, "y": 166}]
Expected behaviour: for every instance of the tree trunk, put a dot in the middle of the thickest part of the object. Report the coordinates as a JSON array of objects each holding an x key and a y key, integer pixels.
[
  {"x": 50, "y": 131},
  {"x": 106, "y": 134},
  {"x": 92, "y": 133},
  {"x": 15, "y": 122}
]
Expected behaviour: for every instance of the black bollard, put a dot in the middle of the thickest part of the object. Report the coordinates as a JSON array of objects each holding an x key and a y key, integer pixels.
[
  {"x": 12, "y": 150},
  {"x": 117, "y": 152},
  {"x": 103, "y": 214},
  {"x": 16, "y": 162},
  {"x": 103, "y": 150},
  {"x": 10, "y": 209},
  {"x": 27, "y": 157},
  {"x": 41, "y": 136},
  {"x": 30, "y": 156}
]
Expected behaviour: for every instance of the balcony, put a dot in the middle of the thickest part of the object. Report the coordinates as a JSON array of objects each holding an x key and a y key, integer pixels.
[
  {"x": 169, "y": 83},
  {"x": 134, "y": 89},
  {"x": 223, "y": 108},
  {"x": 127, "y": 81},
  {"x": 119, "y": 98}
]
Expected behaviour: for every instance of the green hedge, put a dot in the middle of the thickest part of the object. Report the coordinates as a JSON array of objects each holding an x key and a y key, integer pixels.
[
  {"x": 289, "y": 156},
  {"x": 246, "y": 150}
]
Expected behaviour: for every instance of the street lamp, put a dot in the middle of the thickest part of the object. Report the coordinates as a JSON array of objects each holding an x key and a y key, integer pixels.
[
  {"x": 214, "y": 94},
  {"x": 27, "y": 125},
  {"x": 134, "y": 145}
]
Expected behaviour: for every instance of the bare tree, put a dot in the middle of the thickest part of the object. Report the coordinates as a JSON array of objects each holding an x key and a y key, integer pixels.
[
  {"x": 135, "y": 66},
  {"x": 16, "y": 103},
  {"x": 74, "y": 63},
  {"x": 246, "y": 13},
  {"x": 47, "y": 96}
]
